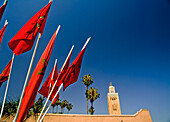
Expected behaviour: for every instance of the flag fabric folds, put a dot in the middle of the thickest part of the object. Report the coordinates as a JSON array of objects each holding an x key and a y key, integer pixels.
[
  {"x": 48, "y": 84},
  {"x": 45, "y": 88},
  {"x": 24, "y": 39},
  {"x": 2, "y": 9},
  {"x": 5, "y": 73},
  {"x": 2, "y": 31},
  {"x": 72, "y": 73},
  {"x": 35, "y": 81},
  {"x": 61, "y": 73}
]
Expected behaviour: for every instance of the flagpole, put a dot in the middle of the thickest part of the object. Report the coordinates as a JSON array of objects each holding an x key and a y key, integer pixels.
[
  {"x": 52, "y": 75},
  {"x": 54, "y": 69},
  {"x": 6, "y": 22},
  {"x": 5, "y": 1},
  {"x": 26, "y": 80},
  {"x": 61, "y": 85},
  {"x": 54, "y": 85},
  {"x": 51, "y": 102},
  {"x": 7, "y": 86},
  {"x": 86, "y": 43}
]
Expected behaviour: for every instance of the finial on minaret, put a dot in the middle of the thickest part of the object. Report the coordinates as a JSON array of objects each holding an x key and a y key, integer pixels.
[{"x": 110, "y": 83}]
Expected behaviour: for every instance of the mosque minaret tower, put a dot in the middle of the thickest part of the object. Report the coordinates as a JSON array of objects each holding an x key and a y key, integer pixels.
[{"x": 113, "y": 101}]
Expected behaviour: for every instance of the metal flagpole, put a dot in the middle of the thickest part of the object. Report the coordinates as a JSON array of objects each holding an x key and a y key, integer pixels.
[
  {"x": 61, "y": 86},
  {"x": 86, "y": 43},
  {"x": 7, "y": 86},
  {"x": 54, "y": 69},
  {"x": 54, "y": 85},
  {"x": 52, "y": 76},
  {"x": 26, "y": 80},
  {"x": 51, "y": 102},
  {"x": 5, "y": 1},
  {"x": 6, "y": 22}
]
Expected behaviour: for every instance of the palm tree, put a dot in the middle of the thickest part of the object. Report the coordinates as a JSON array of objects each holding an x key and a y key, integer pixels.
[
  {"x": 63, "y": 105},
  {"x": 91, "y": 110},
  {"x": 87, "y": 81},
  {"x": 10, "y": 107},
  {"x": 37, "y": 107},
  {"x": 69, "y": 107},
  {"x": 57, "y": 103},
  {"x": 92, "y": 95}
]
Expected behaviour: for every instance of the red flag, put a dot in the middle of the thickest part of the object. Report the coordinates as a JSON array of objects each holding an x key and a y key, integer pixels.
[
  {"x": 73, "y": 71},
  {"x": 48, "y": 84},
  {"x": 35, "y": 81},
  {"x": 2, "y": 9},
  {"x": 61, "y": 73},
  {"x": 45, "y": 88},
  {"x": 5, "y": 73},
  {"x": 2, "y": 31},
  {"x": 24, "y": 39}
]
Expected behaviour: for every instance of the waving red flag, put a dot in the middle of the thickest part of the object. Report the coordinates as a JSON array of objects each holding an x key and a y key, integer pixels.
[
  {"x": 35, "y": 80},
  {"x": 2, "y": 9},
  {"x": 5, "y": 73},
  {"x": 24, "y": 39},
  {"x": 48, "y": 84},
  {"x": 2, "y": 31},
  {"x": 61, "y": 74},
  {"x": 45, "y": 88},
  {"x": 73, "y": 71}
]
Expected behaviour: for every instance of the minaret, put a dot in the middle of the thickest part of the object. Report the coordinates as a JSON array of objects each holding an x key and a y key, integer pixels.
[{"x": 113, "y": 101}]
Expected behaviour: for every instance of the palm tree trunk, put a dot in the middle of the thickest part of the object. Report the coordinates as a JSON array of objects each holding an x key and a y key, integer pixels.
[
  {"x": 87, "y": 101},
  {"x": 53, "y": 110},
  {"x": 92, "y": 107},
  {"x": 63, "y": 110},
  {"x": 57, "y": 109},
  {"x": 68, "y": 112}
]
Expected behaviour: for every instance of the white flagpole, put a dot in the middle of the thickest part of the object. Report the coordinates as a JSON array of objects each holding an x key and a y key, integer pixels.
[
  {"x": 86, "y": 43},
  {"x": 26, "y": 80},
  {"x": 54, "y": 85},
  {"x": 52, "y": 76},
  {"x": 6, "y": 22},
  {"x": 5, "y": 1},
  {"x": 54, "y": 69},
  {"x": 28, "y": 73},
  {"x": 7, "y": 86},
  {"x": 61, "y": 86},
  {"x": 51, "y": 102}
]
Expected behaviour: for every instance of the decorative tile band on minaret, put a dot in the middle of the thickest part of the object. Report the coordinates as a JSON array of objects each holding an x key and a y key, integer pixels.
[{"x": 113, "y": 101}]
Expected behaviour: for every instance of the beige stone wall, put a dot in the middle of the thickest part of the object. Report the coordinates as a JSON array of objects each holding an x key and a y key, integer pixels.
[{"x": 142, "y": 116}]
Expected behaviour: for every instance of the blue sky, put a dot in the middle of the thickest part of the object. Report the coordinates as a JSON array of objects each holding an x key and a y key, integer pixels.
[{"x": 129, "y": 47}]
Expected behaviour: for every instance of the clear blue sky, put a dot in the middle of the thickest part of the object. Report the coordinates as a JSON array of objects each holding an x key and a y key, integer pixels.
[{"x": 130, "y": 47}]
